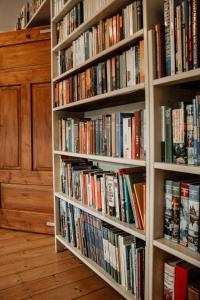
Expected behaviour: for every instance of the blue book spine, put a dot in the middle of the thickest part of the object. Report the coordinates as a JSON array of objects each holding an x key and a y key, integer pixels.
[{"x": 167, "y": 37}]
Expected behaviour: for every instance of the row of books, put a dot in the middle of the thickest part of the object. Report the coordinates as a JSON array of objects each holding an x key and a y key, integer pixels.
[
  {"x": 177, "y": 41},
  {"x": 120, "y": 194},
  {"x": 58, "y": 5},
  {"x": 92, "y": 7},
  {"x": 117, "y": 135},
  {"x": 72, "y": 20},
  {"x": 180, "y": 132},
  {"x": 120, "y": 71},
  {"x": 181, "y": 280},
  {"x": 100, "y": 37},
  {"x": 27, "y": 11},
  {"x": 121, "y": 255},
  {"x": 181, "y": 218}
]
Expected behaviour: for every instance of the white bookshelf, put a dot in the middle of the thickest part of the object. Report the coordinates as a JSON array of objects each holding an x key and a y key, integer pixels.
[
  {"x": 153, "y": 93},
  {"x": 98, "y": 270},
  {"x": 163, "y": 91},
  {"x": 41, "y": 16},
  {"x": 130, "y": 96}
]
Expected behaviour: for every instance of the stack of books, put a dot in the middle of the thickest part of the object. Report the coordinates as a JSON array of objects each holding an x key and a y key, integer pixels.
[
  {"x": 181, "y": 219},
  {"x": 181, "y": 280},
  {"x": 177, "y": 41},
  {"x": 105, "y": 34},
  {"x": 118, "y": 135},
  {"x": 120, "y": 71},
  {"x": 120, "y": 194},
  {"x": 121, "y": 255},
  {"x": 180, "y": 138}
]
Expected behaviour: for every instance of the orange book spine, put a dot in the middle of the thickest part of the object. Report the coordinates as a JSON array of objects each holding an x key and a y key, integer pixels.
[
  {"x": 114, "y": 30},
  {"x": 142, "y": 61}
]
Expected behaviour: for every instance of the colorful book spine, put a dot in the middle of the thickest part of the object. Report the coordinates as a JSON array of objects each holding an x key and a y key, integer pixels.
[{"x": 194, "y": 207}]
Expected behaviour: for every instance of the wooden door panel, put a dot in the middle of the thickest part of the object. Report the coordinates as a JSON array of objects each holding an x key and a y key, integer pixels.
[
  {"x": 25, "y": 131},
  {"x": 27, "y": 198},
  {"x": 25, "y": 55},
  {"x": 41, "y": 126},
  {"x": 26, "y": 220},
  {"x": 10, "y": 135}
]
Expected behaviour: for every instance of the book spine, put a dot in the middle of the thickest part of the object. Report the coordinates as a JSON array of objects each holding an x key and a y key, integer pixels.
[
  {"x": 168, "y": 130},
  {"x": 167, "y": 37},
  {"x": 163, "y": 132},
  {"x": 175, "y": 211},
  {"x": 168, "y": 209},
  {"x": 194, "y": 206},
  {"x": 184, "y": 214}
]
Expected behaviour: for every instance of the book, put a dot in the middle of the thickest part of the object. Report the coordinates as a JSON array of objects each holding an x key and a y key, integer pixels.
[
  {"x": 169, "y": 278},
  {"x": 184, "y": 274},
  {"x": 194, "y": 205}
]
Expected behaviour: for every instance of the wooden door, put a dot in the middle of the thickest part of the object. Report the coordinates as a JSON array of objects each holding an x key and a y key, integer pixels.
[{"x": 26, "y": 200}]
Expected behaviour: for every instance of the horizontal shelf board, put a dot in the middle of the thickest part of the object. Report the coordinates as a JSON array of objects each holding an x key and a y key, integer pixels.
[
  {"x": 41, "y": 16},
  {"x": 119, "y": 46},
  {"x": 178, "y": 250},
  {"x": 97, "y": 269},
  {"x": 109, "y": 9},
  {"x": 177, "y": 168},
  {"x": 95, "y": 102},
  {"x": 109, "y": 159},
  {"x": 129, "y": 228},
  {"x": 183, "y": 77},
  {"x": 66, "y": 8}
]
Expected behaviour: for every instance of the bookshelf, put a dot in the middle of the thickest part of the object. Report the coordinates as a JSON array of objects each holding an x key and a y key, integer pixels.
[
  {"x": 125, "y": 99},
  {"x": 163, "y": 91},
  {"x": 41, "y": 16},
  {"x": 150, "y": 95}
]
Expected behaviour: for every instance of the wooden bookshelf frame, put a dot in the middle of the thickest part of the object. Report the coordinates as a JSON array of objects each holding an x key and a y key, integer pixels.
[{"x": 155, "y": 92}]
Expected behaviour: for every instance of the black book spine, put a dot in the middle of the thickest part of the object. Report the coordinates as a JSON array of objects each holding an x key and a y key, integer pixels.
[{"x": 139, "y": 14}]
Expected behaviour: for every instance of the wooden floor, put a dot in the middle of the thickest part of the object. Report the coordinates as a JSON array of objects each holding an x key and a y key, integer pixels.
[{"x": 30, "y": 269}]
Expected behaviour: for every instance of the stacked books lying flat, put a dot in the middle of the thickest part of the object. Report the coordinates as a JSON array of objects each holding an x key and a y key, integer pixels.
[
  {"x": 58, "y": 5},
  {"x": 73, "y": 19},
  {"x": 121, "y": 255},
  {"x": 182, "y": 203},
  {"x": 105, "y": 34},
  {"x": 120, "y": 71},
  {"x": 117, "y": 135},
  {"x": 177, "y": 41},
  {"x": 120, "y": 194},
  {"x": 181, "y": 280},
  {"x": 180, "y": 138}
]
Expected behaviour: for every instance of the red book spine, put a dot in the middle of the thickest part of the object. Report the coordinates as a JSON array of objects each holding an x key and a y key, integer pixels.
[
  {"x": 137, "y": 134},
  {"x": 133, "y": 139},
  {"x": 99, "y": 203},
  {"x": 180, "y": 287}
]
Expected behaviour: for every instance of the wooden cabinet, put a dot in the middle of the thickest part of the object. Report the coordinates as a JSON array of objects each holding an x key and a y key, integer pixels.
[{"x": 26, "y": 201}]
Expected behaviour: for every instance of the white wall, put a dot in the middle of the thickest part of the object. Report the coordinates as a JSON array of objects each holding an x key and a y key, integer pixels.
[{"x": 9, "y": 12}]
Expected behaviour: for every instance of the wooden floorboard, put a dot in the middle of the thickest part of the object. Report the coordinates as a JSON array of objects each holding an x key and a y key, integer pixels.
[{"x": 30, "y": 269}]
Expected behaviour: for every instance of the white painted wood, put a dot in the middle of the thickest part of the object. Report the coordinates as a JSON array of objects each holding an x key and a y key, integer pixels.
[
  {"x": 178, "y": 251},
  {"x": 92, "y": 100},
  {"x": 98, "y": 270},
  {"x": 109, "y": 159}
]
